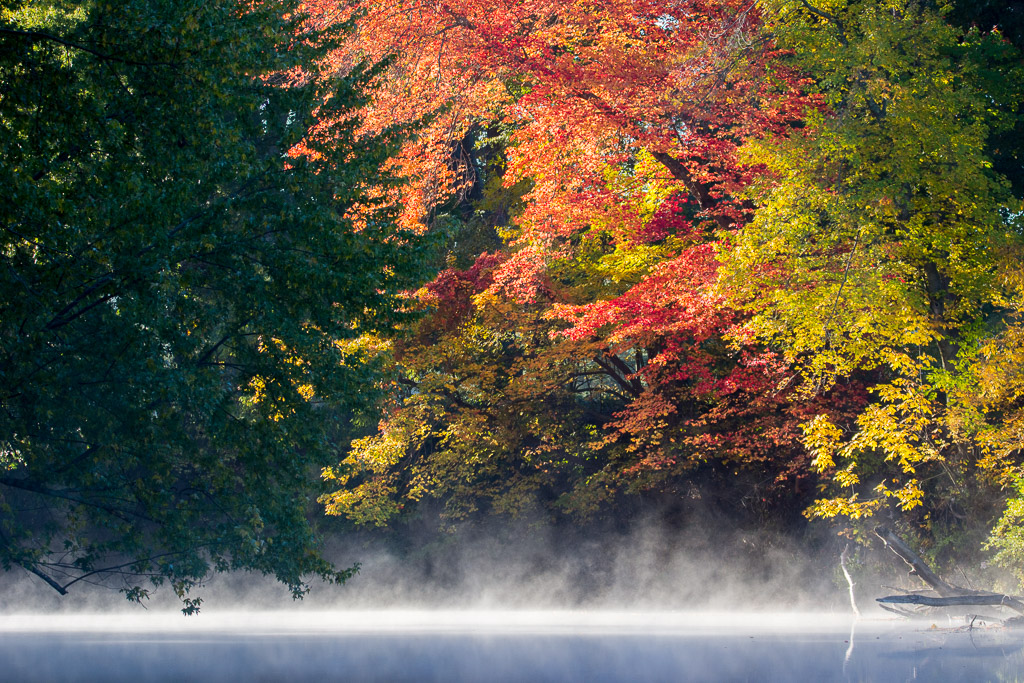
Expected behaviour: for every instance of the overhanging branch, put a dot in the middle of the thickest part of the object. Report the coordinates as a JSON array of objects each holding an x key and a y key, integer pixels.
[{"x": 39, "y": 35}]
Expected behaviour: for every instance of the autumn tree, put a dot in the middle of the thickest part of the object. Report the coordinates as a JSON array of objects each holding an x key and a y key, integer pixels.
[
  {"x": 179, "y": 301},
  {"x": 884, "y": 242},
  {"x": 624, "y": 123},
  {"x": 781, "y": 236}
]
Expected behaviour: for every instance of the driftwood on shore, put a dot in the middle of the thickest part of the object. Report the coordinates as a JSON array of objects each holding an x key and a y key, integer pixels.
[{"x": 949, "y": 595}]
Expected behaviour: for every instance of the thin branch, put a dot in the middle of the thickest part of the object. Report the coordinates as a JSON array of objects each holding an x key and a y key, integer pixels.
[
  {"x": 849, "y": 579},
  {"x": 842, "y": 285},
  {"x": 213, "y": 349},
  {"x": 459, "y": 19},
  {"x": 116, "y": 569},
  {"x": 627, "y": 386},
  {"x": 34, "y": 487}
]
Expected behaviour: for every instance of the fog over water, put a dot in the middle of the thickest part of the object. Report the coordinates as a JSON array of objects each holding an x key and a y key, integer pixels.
[
  {"x": 511, "y": 603},
  {"x": 519, "y": 566},
  {"x": 495, "y": 645}
]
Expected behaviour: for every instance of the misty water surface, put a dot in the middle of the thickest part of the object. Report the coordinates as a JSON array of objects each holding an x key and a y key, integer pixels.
[
  {"x": 499, "y": 646},
  {"x": 501, "y": 605}
]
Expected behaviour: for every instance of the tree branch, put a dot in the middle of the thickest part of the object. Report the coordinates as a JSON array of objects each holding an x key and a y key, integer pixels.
[
  {"x": 34, "y": 487},
  {"x": 955, "y": 600},
  {"x": 39, "y": 35},
  {"x": 631, "y": 388},
  {"x": 699, "y": 191},
  {"x": 828, "y": 16},
  {"x": 53, "y": 584}
]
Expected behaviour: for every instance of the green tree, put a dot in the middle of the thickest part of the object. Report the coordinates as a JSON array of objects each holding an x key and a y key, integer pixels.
[{"x": 179, "y": 294}]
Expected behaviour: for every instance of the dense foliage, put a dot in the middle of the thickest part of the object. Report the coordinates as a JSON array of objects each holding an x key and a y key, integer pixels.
[
  {"x": 764, "y": 253},
  {"x": 771, "y": 250},
  {"x": 180, "y": 303}
]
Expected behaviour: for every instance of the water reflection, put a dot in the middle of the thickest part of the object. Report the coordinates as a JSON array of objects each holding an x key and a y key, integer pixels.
[{"x": 496, "y": 646}]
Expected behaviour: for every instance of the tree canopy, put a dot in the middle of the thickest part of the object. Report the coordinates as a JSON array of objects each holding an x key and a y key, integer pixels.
[
  {"x": 182, "y": 302},
  {"x": 773, "y": 244},
  {"x": 765, "y": 253}
]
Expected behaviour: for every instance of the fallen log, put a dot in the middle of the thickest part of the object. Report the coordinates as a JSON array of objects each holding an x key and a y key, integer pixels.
[
  {"x": 949, "y": 594},
  {"x": 954, "y": 600}
]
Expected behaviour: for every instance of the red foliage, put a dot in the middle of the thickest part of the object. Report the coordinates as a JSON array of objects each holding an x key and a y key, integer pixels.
[
  {"x": 588, "y": 88},
  {"x": 669, "y": 219},
  {"x": 451, "y": 292},
  {"x": 677, "y": 301},
  {"x": 586, "y": 84}
]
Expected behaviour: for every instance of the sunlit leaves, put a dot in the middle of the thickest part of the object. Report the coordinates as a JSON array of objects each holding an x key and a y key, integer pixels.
[
  {"x": 625, "y": 120},
  {"x": 879, "y": 244},
  {"x": 730, "y": 220}
]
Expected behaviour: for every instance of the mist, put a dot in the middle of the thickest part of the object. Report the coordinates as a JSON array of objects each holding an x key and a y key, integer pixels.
[
  {"x": 524, "y": 564},
  {"x": 502, "y": 600}
]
